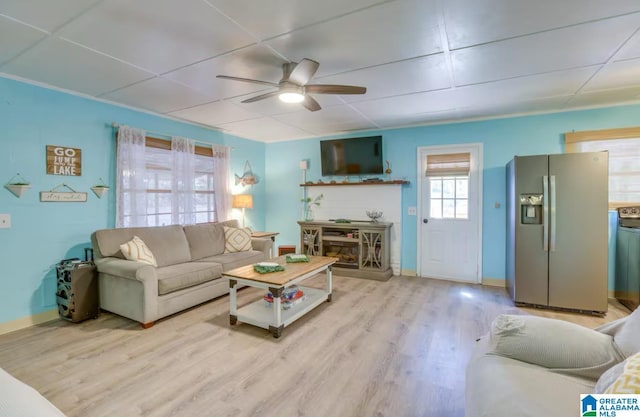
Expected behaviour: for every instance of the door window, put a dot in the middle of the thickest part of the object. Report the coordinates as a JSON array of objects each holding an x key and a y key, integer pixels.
[{"x": 449, "y": 197}]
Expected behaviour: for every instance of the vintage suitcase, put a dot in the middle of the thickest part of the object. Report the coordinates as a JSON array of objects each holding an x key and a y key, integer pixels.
[{"x": 77, "y": 293}]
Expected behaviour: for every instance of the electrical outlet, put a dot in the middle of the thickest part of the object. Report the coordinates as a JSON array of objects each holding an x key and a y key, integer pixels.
[
  {"x": 412, "y": 211},
  {"x": 5, "y": 221}
]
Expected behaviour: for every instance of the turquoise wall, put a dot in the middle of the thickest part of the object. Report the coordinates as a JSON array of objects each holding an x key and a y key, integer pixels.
[
  {"x": 44, "y": 233},
  {"x": 501, "y": 139}
]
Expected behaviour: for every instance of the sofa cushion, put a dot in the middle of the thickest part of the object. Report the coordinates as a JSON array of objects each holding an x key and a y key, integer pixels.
[
  {"x": 555, "y": 344},
  {"x": 234, "y": 260},
  {"x": 608, "y": 378},
  {"x": 137, "y": 250},
  {"x": 237, "y": 239},
  {"x": 176, "y": 277},
  {"x": 18, "y": 399},
  {"x": 501, "y": 387},
  {"x": 168, "y": 243},
  {"x": 625, "y": 333},
  {"x": 205, "y": 239}
]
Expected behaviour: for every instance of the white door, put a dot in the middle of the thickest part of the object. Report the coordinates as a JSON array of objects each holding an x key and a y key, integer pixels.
[{"x": 450, "y": 212}]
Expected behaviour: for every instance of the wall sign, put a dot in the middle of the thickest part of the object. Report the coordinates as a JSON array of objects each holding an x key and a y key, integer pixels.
[
  {"x": 54, "y": 196},
  {"x": 64, "y": 161}
]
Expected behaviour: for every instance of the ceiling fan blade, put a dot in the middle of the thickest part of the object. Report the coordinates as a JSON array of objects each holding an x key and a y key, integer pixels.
[
  {"x": 304, "y": 71},
  {"x": 334, "y": 89},
  {"x": 247, "y": 80},
  {"x": 311, "y": 104},
  {"x": 261, "y": 97}
]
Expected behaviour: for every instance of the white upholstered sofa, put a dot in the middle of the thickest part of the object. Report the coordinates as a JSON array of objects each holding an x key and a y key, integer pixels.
[
  {"x": 190, "y": 262},
  {"x": 531, "y": 366}
]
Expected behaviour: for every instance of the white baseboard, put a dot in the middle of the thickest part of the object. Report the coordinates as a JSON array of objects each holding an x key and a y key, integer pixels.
[{"x": 29, "y": 321}]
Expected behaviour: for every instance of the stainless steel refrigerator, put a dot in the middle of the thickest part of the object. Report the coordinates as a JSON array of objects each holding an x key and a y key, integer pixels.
[{"x": 557, "y": 230}]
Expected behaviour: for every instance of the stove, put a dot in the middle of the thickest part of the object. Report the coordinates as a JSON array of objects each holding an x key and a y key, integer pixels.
[{"x": 629, "y": 217}]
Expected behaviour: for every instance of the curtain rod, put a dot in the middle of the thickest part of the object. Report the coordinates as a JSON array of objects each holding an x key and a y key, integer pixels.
[{"x": 164, "y": 135}]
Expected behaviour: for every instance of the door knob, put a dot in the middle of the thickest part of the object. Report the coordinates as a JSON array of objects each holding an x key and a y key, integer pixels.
[{"x": 425, "y": 221}]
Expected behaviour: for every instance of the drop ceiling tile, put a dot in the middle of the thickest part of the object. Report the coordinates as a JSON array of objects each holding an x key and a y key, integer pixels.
[
  {"x": 256, "y": 62},
  {"x": 616, "y": 75},
  {"x": 606, "y": 97},
  {"x": 630, "y": 50},
  {"x": 160, "y": 95},
  {"x": 157, "y": 35},
  {"x": 391, "y": 121},
  {"x": 513, "y": 108},
  {"x": 561, "y": 83},
  {"x": 216, "y": 113},
  {"x": 543, "y": 52},
  {"x": 412, "y": 75},
  {"x": 15, "y": 38},
  {"x": 265, "y": 129},
  {"x": 388, "y": 32},
  {"x": 407, "y": 105},
  {"x": 476, "y": 22},
  {"x": 45, "y": 14},
  {"x": 63, "y": 64},
  {"x": 327, "y": 120},
  {"x": 268, "y": 19}
]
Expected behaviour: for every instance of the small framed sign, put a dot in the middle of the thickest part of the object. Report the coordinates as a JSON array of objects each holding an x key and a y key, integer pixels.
[
  {"x": 70, "y": 196},
  {"x": 64, "y": 161}
]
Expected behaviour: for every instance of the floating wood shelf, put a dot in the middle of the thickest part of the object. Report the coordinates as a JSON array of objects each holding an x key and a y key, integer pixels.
[{"x": 326, "y": 184}]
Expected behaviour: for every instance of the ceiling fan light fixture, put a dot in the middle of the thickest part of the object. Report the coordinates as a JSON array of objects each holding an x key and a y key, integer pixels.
[{"x": 290, "y": 97}]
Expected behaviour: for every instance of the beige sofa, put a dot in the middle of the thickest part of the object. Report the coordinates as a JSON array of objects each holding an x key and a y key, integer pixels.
[
  {"x": 539, "y": 367},
  {"x": 190, "y": 261}
]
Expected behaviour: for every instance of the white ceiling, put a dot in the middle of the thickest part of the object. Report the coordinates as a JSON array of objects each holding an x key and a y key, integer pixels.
[{"x": 422, "y": 61}]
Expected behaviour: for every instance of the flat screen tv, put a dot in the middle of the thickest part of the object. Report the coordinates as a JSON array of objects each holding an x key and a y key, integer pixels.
[{"x": 354, "y": 156}]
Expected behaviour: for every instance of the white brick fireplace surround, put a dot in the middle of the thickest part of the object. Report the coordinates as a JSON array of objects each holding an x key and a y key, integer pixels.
[{"x": 352, "y": 201}]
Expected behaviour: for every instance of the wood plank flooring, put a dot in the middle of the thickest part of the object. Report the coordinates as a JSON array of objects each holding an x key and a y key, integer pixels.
[{"x": 395, "y": 348}]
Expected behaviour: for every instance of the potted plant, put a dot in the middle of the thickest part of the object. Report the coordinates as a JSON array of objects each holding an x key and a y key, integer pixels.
[
  {"x": 18, "y": 185},
  {"x": 309, "y": 203}
]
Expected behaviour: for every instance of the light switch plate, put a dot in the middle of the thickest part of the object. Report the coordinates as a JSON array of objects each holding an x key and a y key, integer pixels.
[
  {"x": 411, "y": 211},
  {"x": 5, "y": 221}
]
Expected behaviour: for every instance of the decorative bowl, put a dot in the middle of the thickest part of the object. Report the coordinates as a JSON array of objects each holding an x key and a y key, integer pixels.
[{"x": 374, "y": 215}]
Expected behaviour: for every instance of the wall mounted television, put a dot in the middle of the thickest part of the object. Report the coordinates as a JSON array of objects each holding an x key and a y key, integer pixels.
[{"x": 353, "y": 156}]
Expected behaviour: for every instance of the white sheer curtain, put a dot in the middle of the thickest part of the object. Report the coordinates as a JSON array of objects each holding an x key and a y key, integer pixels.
[
  {"x": 183, "y": 195},
  {"x": 131, "y": 192},
  {"x": 221, "y": 185}
]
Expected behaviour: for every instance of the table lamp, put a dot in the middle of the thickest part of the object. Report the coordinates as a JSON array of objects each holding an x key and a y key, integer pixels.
[{"x": 242, "y": 201}]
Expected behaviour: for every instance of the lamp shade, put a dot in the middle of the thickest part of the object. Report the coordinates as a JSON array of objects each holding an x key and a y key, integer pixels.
[{"x": 242, "y": 201}]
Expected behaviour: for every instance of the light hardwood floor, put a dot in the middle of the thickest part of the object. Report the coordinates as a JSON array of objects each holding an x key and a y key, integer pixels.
[{"x": 396, "y": 348}]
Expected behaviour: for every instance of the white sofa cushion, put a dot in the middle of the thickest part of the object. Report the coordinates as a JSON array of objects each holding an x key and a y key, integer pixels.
[
  {"x": 554, "y": 344},
  {"x": 629, "y": 381}
]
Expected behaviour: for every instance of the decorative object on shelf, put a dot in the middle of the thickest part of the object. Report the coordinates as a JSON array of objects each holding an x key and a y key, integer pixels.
[
  {"x": 247, "y": 178},
  {"x": 242, "y": 201},
  {"x": 388, "y": 170},
  {"x": 17, "y": 185},
  {"x": 64, "y": 161},
  {"x": 100, "y": 189},
  {"x": 309, "y": 203},
  {"x": 374, "y": 215},
  {"x": 54, "y": 196}
]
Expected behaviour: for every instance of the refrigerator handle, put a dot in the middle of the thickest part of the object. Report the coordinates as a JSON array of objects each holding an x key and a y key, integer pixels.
[
  {"x": 552, "y": 204},
  {"x": 545, "y": 213}
]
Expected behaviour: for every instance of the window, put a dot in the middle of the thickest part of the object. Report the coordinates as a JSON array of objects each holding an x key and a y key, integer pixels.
[
  {"x": 623, "y": 146},
  {"x": 449, "y": 185},
  {"x": 162, "y": 182}
]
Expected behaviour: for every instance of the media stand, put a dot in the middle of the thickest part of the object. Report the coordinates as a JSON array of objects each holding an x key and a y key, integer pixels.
[{"x": 362, "y": 247}]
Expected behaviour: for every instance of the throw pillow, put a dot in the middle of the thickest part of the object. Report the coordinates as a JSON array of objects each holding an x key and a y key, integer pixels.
[
  {"x": 558, "y": 345},
  {"x": 629, "y": 381},
  {"x": 237, "y": 240},
  {"x": 137, "y": 250}
]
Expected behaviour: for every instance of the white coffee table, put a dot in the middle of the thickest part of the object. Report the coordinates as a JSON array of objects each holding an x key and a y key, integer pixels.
[{"x": 273, "y": 317}]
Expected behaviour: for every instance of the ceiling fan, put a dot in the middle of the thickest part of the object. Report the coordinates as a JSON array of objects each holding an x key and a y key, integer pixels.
[{"x": 293, "y": 87}]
